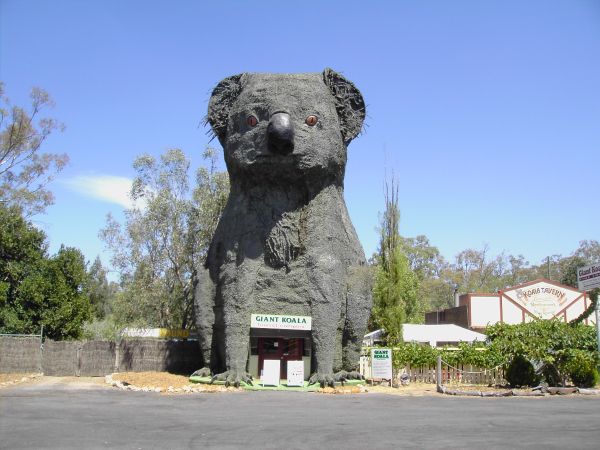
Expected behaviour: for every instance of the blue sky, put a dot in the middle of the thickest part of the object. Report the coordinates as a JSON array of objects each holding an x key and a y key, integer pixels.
[{"x": 486, "y": 112}]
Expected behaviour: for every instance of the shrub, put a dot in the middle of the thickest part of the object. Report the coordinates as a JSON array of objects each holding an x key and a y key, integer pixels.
[
  {"x": 476, "y": 354},
  {"x": 582, "y": 369},
  {"x": 550, "y": 343},
  {"x": 520, "y": 372}
]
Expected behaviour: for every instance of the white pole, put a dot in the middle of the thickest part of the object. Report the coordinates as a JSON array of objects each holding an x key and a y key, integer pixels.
[{"x": 597, "y": 292}]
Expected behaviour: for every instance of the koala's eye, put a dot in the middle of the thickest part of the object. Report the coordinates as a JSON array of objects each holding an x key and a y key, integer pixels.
[
  {"x": 252, "y": 121},
  {"x": 311, "y": 121}
]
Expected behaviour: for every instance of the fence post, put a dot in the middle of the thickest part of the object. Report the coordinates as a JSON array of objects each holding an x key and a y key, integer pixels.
[
  {"x": 438, "y": 375},
  {"x": 117, "y": 354},
  {"x": 41, "y": 362},
  {"x": 78, "y": 367}
]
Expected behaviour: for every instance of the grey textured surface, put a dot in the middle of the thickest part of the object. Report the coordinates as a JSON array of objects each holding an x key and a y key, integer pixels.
[
  {"x": 97, "y": 358},
  {"x": 20, "y": 354},
  {"x": 285, "y": 243}
]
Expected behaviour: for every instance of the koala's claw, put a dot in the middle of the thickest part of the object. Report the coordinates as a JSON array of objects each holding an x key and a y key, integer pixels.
[
  {"x": 342, "y": 375},
  {"x": 233, "y": 378},
  {"x": 204, "y": 372},
  {"x": 322, "y": 378}
]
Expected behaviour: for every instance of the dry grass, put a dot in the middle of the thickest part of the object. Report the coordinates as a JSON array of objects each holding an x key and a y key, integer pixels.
[
  {"x": 164, "y": 380},
  {"x": 10, "y": 379},
  {"x": 412, "y": 390},
  {"x": 152, "y": 379},
  {"x": 181, "y": 384},
  {"x": 5, "y": 377},
  {"x": 167, "y": 382},
  {"x": 343, "y": 390}
]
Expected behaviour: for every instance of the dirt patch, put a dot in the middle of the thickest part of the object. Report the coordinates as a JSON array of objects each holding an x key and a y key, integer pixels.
[
  {"x": 74, "y": 381},
  {"x": 4, "y": 377},
  {"x": 412, "y": 390},
  {"x": 343, "y": 390},
  {"x": 163, "y": 382},
  {"x": 169, "y": 383},
  {"x": 152, "y": 379},
  {"x": 10, "y": 379}
]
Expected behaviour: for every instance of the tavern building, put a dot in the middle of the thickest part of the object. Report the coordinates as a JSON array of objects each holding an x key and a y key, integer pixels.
[{"x": 538, "y": 299}]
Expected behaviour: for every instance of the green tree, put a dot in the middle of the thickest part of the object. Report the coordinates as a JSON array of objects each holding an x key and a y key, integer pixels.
[
  {"x": 35, "y": 289},
  {"x": 395, "y": 290},
  {"x": 568, "y": 270},
  {"x": 475, "y": 270},
  {"x": 164, "y": 239},
  {"x": 66, "y": 307},
  {"x": 24, "y": 170},
  {"x": 99, "y": 290}
]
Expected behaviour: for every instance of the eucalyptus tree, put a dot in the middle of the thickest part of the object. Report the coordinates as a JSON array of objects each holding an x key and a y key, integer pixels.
[
  {"x": 24, "y": 170},
  {"x": 164, "y": 237}
]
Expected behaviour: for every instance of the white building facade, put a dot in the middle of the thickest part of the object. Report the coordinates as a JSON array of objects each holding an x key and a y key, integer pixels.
[{"x": 538, "y": 299}]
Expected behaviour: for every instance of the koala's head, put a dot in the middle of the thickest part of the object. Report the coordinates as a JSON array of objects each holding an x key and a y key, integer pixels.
[{"x": 286, "y": 127}]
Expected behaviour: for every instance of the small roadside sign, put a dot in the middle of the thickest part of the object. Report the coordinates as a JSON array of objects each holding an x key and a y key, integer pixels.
[
  {"x": 588, "y": 277},
  {"x": 295, "y": 373},
  {"x": 381, "y": 363},
  {"x": 270, "y": 373}
]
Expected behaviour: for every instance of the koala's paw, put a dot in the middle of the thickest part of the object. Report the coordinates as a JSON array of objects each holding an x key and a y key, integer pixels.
[
  {"x": 353, "y": 375},
  {"x": 343, "y": 376},
  {"x": 233, "y": 378},
  {"x": 204, "y": 372},
  {"x": 324, "y": 379}
]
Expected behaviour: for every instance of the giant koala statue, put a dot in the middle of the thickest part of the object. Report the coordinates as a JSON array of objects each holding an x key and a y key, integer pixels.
[{"x": 284, "y": 243}]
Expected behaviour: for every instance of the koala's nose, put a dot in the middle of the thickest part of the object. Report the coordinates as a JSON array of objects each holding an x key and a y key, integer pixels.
[{"x": 281, "y": 134}]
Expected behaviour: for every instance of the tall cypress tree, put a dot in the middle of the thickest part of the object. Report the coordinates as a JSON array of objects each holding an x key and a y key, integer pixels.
[{"x": 395, "y": 299}]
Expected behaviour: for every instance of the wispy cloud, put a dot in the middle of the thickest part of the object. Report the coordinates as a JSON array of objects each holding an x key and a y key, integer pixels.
[{"x": 107, "y": 188}]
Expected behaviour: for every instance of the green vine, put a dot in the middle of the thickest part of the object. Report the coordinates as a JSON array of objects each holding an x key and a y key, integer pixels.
[
  {"x": 589, "y": 310},
  {"x": 549, "y": 343}
]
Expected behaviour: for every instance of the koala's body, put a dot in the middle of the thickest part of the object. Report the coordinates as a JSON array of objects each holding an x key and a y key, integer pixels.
[{"x": 285, "y": 243}]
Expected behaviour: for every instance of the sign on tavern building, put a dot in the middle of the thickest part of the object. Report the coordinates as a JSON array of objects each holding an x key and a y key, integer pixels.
[{"x": 539, "y": 299}]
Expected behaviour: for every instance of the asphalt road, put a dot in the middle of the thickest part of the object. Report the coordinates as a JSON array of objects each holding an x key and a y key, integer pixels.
[{"x": 63, "y": 417}]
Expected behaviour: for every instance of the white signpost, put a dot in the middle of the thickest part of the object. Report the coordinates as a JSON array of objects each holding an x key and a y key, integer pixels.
[
  {"x": 270, "y": 372},
  {"x": 295, "y": 373},
  {"x": 588, "y": 277},
  {"x": 381, "y": 363}
]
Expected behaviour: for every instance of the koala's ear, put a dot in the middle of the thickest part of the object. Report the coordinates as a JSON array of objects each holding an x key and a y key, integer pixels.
[
  {"x": 349, "y": 104},
  {"x": 222, "y": 99}
]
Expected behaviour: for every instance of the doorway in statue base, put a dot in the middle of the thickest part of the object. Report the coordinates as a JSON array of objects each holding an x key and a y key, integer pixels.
[
  {"x": 281, "y": 349},
  {"x": 280, "y": 338}
]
